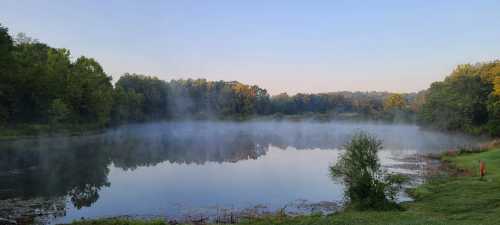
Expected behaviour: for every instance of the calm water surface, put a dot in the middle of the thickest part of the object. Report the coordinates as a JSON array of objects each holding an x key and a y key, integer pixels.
[{"x": 191, "y": 169}]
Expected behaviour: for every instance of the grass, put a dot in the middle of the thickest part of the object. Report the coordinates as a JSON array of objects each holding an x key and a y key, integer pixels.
[{"x": 461, "y": 199}]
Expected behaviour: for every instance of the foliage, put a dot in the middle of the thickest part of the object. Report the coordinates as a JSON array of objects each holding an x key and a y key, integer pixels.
[
  {"x": 41, "y": 85},
  {"x": 6, "y": 46},
  {"x": 127, "y": 106},
  {"x": 189, "y": 98},
  {"x": 394, "y": 101},
  {"x": 58, "y": 112},
  {"x": 90, "y": 92},
  {"x": 493, "y": 124},
  {"x": 6, "y": 75},
  {"x": 497, "y": 86},
  {"x": 338, "y": 104},
  {"x": 148, "y": 94},
  {"x": 399, "y": 108},
  {"x": 37, "y": 82},
  {"x": 368, "y": 186},
  {"x": 465, "y": 100}
]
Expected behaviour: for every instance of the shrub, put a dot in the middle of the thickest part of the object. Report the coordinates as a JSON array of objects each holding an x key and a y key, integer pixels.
[{"x": 367, "y": 185}]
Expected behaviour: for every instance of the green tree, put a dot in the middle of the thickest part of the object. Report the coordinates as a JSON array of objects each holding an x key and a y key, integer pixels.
[
  {"x": 368, "y": 186},
  {"x": 494, "y": 115},
  {"x": 6, "y": 75},
  {"x": 154, "y": 94},
  {"x": 90, "y": 93},
  {"x": 494, "y": 108},
  {"x": 58, "y": 112},
  {"x": 127, "y": 106},
  {"x": 33, "y": 82},
  {"x": 464, "y": 100}
]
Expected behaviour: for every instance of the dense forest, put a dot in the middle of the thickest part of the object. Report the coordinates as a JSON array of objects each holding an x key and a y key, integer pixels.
[
  {"x": 41, "y": 85},
  {"x": 467, "y": 100}
]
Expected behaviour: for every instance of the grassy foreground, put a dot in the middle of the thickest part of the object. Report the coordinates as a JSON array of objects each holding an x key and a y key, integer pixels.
[{"x": 461, "y": 198}]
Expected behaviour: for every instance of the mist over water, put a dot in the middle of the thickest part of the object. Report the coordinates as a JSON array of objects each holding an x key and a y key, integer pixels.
[{"x": 176, "y": 169}]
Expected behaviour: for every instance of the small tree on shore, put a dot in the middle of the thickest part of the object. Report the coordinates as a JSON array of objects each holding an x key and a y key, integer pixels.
[{"x": 367, "y": 185}]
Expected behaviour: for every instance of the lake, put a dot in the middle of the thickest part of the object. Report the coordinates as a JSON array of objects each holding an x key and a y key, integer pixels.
[{"x": 189, "y": 170}]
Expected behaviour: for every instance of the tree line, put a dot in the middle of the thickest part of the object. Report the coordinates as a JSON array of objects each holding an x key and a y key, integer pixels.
[
  {"x": 42, "y": 85},
  {"x": 467, "y": 100}
]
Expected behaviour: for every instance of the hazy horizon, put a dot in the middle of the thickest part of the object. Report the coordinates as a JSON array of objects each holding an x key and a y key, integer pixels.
[{"x": 281, "y": 46}]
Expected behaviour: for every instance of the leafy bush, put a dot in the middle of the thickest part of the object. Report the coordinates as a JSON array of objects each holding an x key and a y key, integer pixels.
[{"x": 367, "y": 185}]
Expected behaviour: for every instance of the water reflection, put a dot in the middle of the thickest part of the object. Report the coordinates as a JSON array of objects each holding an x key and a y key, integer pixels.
[{"x": 79, "y": 167}]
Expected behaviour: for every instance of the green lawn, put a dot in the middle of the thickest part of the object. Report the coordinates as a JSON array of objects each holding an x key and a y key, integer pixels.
[{"x": 442, "y": 200}]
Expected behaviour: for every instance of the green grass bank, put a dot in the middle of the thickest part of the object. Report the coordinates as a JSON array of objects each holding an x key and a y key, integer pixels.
[{"x": 455, "y": 195}]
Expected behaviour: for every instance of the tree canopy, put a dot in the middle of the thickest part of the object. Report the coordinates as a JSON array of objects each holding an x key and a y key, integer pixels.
[
  {"x": 466, "y": 100},
  {"x": 43, "y": 85}
]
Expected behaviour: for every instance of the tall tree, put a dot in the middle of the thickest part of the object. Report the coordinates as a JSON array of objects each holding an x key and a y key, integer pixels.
[
  {"x": 463, "y": 101},
  {"x": 90, "y": 92},
  {"x": 6, "y": 74}
]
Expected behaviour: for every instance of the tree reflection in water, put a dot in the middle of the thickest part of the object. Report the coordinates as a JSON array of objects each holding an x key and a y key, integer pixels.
[{"x": 77, "y": 167}]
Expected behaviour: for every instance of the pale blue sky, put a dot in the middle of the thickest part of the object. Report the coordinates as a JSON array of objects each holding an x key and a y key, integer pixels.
[{"x": 292, "y": 46}]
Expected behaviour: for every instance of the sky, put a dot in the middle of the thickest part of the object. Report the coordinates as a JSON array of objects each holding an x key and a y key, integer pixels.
[{"x": 283, "y": 46}]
